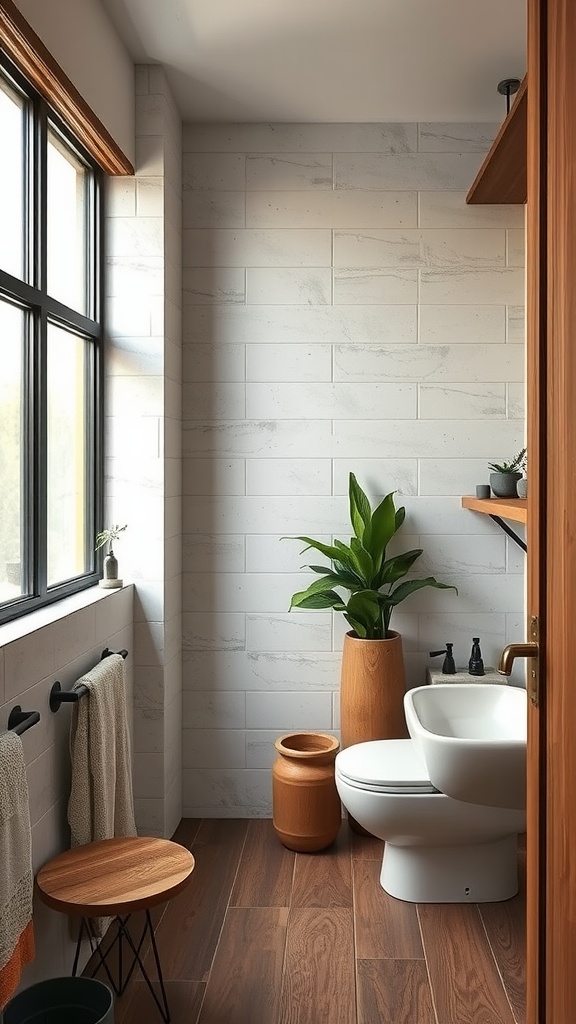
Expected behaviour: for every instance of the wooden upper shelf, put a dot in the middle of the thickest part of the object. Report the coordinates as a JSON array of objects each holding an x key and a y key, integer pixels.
[
  {"x": 502, "y": 176},
  {"x": 506, "y": 508}
]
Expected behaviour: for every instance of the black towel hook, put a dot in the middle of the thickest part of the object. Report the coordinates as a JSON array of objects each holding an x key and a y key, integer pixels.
[
  {"x": 58, "y": 696},
  {"x": 107, "y": 652},
  {"x": 20, "y": 721}
]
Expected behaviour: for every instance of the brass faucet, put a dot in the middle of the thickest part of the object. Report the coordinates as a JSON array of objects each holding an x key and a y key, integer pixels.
[
  {"x": 531, "y": 649},
  {"x": 512, "y": 651}
]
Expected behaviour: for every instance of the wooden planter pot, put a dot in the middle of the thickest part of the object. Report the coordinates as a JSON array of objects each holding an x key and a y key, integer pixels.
[
  {"x": 307, "y": 813},
  {"x": 372, "y": 688}
]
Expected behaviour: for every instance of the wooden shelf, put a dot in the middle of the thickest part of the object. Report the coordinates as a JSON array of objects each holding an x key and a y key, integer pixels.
[
  {"x": 502, "y": 176},
  {"x": 506, "y": 508}
]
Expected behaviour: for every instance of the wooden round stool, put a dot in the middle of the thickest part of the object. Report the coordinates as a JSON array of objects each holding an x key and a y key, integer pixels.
[{"x": 115, "y": 877}]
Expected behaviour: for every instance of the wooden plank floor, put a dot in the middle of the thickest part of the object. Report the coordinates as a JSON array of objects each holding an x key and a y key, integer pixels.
[{"x": 266, "y": 936}]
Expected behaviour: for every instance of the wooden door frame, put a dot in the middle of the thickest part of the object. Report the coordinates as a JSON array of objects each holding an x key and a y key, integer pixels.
[
  {"x": 551, "y": 344},
  {"x": 536, "y": 523}
]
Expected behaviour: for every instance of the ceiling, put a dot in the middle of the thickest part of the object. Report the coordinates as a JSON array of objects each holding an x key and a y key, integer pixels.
[{"x": 330, "y": 60}]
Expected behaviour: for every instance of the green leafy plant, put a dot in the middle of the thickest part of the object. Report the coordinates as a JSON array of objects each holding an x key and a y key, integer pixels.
[
  {"x": 108, "y": 536},
  {"x": 517, "y": 465},
  {"x": 362, "y": 569}
]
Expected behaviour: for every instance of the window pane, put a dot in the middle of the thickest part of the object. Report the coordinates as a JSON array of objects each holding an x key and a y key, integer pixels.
[
  {"x": 67, "y": 470},
  {"x": 67, "y": 244},
  {"x": 12, "y": 336},
  {"x": 12, "y": 190}
]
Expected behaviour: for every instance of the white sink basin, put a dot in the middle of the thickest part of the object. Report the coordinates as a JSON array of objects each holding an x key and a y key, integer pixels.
[{"x": 473, "y": 739}]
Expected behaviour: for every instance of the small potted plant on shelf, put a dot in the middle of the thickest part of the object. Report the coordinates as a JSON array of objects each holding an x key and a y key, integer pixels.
[
  {"x": 505, "y": 475},
  {"x": 372, "y": 676},
  {"x": 108, "y": 536}
]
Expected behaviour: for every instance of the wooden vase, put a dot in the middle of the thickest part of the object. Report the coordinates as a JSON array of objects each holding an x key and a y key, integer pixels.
[
  {"x": 307, "y": 813},
  {"x": 372, "y": 688}
]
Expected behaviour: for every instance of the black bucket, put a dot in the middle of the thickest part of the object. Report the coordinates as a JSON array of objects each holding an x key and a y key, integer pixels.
[{"x": 62, "y": 1001}]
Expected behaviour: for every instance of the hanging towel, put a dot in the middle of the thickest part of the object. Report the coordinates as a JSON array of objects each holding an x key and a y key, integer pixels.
[
  {"x": 16, "y": 930},
  {"x": 101, "y": 804}
]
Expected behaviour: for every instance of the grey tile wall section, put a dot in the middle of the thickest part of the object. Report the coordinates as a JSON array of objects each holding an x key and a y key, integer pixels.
[
  {"x": 343, "y": 309},
  {"x": 63, "y": 649},
  {"x": 143, "y": 475}
]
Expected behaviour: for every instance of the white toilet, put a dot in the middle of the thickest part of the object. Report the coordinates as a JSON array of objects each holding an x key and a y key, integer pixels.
[{"x": 437, "y": 849}]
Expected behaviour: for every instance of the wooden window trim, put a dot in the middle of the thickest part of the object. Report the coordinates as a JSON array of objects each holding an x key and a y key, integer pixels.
[{"x": 29, "y": 54}]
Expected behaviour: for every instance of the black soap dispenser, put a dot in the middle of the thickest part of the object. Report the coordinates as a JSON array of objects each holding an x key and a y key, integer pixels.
[
  {"x": 475, "y": 664},
  {"x": 448, "y": 666}
]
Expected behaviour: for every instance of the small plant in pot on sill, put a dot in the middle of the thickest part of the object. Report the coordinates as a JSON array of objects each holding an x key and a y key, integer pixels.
[
  {"x": 505, "y": 475},
  {"x": 372, "y": 679},
  {"x": 108, "y": 536}
]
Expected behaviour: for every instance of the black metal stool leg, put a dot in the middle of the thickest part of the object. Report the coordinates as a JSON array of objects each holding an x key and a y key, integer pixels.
[
  {"x": 162, "y": 1006},
  {"x": 158, "y": 966},
  {"x": 95, "y": 947},
  {"x": 123, "y": 935},
  {"x": 79, "y": 945},
  {"x": 121, "y": 986}
]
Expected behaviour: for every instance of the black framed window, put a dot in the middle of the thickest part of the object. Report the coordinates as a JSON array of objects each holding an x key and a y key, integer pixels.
[{"x": 50, "y": 353}]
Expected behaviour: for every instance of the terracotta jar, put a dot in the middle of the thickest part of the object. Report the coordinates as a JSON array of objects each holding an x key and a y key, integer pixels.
[{"x": 307, "y": 813}]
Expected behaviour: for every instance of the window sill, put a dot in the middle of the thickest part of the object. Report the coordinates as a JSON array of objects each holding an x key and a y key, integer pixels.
[{"x": 28, "y": 624}]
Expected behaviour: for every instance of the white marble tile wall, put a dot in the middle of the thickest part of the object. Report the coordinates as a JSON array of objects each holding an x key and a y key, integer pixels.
[
  {"x": 343, "y": 309},
  {"x": 67, "y": 642},
  {"x": 144, "y": 356}
]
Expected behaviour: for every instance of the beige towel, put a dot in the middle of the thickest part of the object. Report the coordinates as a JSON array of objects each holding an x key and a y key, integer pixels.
[
  {"x": 101, "y": 805},
  {"x": 16, "y": 932}
]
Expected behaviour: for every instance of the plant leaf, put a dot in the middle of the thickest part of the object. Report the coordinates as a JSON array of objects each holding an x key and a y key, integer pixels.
[
  {"x": 360, "y": 567},
  {"x": 397, "y": 567},
  {"x": 337, "y": 551},
  {"x": 326, "y": 599},
  {"x": 365, "y": 608},
  {"x": 340, "y": 577},
  {"x": 352, "y": 579},
  {"x": 347, "y": 558},
  {"x": 515, "y": 466},
  {"x": 410, "y": 586},
  {"x": 363, "y": 561},
  {"x": 326, "y": 583},
  {"x": 357, "y": 626},
  {"x": 325, "y": 549},
  {"x": 400, "y": 516},
  {"x": 360, "y": 511},
  {"x": 382, "y": 529}
]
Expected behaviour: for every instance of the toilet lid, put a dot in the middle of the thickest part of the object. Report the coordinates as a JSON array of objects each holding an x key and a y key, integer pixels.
[{"x": 385, "y": 766}]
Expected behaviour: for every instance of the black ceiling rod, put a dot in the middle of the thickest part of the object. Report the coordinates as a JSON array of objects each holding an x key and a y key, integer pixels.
[{"x": 507, "y": 87}]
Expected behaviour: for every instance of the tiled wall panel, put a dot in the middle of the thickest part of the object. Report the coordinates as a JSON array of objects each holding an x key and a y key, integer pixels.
[
  {"x": 64, "y": 646},
  {"x": 143, "y": 438},
  {"x": 343, "y": 310}
]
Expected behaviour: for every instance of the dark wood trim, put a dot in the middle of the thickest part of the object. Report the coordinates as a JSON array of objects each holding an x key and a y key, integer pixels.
[
  {"x": 26, "y": 49},
  {"x": 502, "y": 176},
  {"x": 536, "y": 344},
  {"x": 557, "y": 98}
]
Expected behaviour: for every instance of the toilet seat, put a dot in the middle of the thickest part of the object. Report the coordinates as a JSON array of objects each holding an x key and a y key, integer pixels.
[
  {"x": 384, "y": 766},
  {"x": 436, "y": 849}
]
